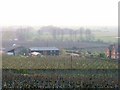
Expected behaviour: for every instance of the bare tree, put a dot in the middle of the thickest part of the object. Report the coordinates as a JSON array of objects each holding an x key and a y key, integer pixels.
[
  {"x": 81, "y": 32},
  {"x": 88, "y": 35},
  {"x": 71, "y": 34},
  {"x": 62, "y": 34}
]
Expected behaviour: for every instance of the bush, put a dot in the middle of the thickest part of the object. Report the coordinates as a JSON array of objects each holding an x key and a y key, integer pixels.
[{"x": 102, "y": 55}]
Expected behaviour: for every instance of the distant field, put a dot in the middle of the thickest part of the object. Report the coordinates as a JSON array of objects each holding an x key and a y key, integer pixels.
[
  {"x": 56, "y": 62},
  {"x": 107, "y": 36},
  {"x": 110, "y": 39}
]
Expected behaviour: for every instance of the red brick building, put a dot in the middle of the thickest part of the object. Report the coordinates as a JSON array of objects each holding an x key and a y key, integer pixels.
[{"x": 113, "y": 52}]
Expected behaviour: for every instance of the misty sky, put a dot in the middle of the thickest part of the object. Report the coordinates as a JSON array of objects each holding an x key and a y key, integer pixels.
[{"x": 59, "y": 12}]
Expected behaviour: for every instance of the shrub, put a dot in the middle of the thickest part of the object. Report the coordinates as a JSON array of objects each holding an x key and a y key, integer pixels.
[{"x": 102, "y": 55}]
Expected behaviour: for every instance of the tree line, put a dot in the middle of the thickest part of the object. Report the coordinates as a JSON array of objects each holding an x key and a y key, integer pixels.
[{"x": 50, "y": 33}]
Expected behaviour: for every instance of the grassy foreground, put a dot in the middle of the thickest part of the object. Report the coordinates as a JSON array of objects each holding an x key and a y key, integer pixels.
[{"x": 56, "y": 62}]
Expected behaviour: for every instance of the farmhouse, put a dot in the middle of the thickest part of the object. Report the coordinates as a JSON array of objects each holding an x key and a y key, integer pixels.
[
  {"x": 45, "y": 50},
  {"x": 18, "y": 50},
  {"x": 113, "y": 52}
]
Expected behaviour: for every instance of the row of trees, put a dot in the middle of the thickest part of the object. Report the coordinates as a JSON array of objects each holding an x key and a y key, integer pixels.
[
  {"x": 53, "y": 33},
  {"x": 62, "y": 33}
]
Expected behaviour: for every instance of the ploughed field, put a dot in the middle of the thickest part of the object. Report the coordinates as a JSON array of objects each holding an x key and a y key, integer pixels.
[
  {"x": 57, "y": 62},
  {"x": 47, "y": 78}
]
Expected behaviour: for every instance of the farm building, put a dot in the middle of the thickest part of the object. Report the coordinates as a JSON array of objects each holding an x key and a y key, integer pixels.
[
  {"x": 113, "y": 52},
  {"x": 45, "y": 50},
  {"x": 19, "y": 50}
]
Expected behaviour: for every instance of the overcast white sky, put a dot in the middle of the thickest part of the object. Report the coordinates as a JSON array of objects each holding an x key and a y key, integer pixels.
[{"x": 59, "y": 12}]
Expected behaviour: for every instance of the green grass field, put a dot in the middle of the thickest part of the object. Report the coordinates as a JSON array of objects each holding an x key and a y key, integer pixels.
[{"x": 56, "y": 62}]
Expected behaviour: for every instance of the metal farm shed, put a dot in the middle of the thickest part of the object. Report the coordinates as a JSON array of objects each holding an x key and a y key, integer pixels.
[{"x": 45, "y": 50}]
